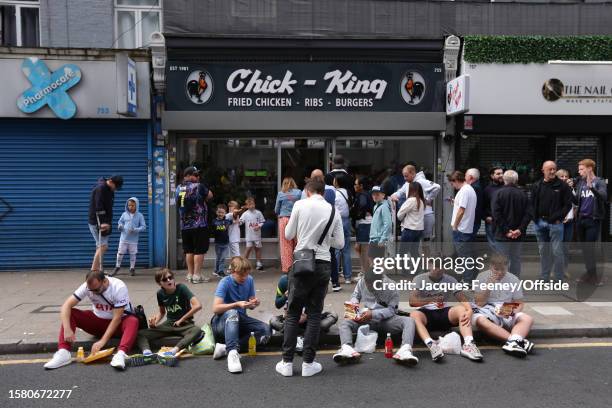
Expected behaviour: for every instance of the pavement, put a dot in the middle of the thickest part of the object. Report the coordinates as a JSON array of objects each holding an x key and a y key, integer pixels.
[
  {"x": 31, "y": 301},
  {"x": 565, "y": 375}
]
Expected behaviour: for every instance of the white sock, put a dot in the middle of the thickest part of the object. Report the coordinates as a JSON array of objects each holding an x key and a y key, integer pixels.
[
  {"x": 132, "y": 261},
  {"x": 515, "y": 337},
  {"x": 174, "y": 350},
  {"x": 468, "y": 340},
  {"x": 428, "y": 341},
  {"x": 147, "y": 352},
  {"x": 121, "y": 352},
  {"x": 119, "y": 260}
]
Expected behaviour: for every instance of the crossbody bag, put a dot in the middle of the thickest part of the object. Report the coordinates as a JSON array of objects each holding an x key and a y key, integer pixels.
[{"x": 304, "y": 259}]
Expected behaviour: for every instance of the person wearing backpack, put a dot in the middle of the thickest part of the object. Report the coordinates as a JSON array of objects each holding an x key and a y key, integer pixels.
[{"x": 191, "y": 197}]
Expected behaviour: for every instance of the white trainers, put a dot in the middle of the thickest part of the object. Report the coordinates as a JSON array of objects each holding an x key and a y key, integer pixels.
[
  {"x": 118, "y": 360},
  {"x": 346, "y": 354},
  {"x": 233, "y": 362},
  {"x": 404, "y": 356},
  {"x": 220, "y": 351},
  {"x": 299, "y": 346},
  {"x": 284, "y": 368},
  {"x": 60, "y": 358},
  {"x": 189, "y": 277},
  {"x": 310, "y": 369}
]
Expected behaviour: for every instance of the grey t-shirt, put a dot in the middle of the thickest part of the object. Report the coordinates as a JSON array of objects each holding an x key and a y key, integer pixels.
[
  {"x": 501, "y": 296},
  {"x": 424, "y": 288}
]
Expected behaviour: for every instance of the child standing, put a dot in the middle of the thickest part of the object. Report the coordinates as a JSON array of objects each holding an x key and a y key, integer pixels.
[
  {"x": 234, "y": 230},
  {"x": 131, "y": 224},
  {"x": 220, "y": 231},
  {"x": 253, "y": 219}
]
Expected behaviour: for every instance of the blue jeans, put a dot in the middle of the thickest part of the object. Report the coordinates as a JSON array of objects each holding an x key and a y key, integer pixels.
[
  {"x": 465, "y": 249},
  {"x": 568, "y": 236},
  {"x": 550, "y": 245},
  {"x": 490, "y": 231},
  {"x": 411, "y": 240},
  {"x": 345, "y": 253},
  {"x": 235, "y": 328},
  {"x": 221, "y": 254},
  {"x": 512, "y": 250}
]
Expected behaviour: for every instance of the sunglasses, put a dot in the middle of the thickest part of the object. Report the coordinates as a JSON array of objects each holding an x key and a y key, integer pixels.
[{"x": 168, "y": 279}]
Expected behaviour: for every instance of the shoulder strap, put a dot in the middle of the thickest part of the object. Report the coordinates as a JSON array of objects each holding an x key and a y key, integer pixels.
[{"x": 331, "y": 219}]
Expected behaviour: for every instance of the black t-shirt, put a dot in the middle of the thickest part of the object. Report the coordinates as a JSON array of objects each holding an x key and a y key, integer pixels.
[
  {"x": 177, "y": 304},
  {"x": 220, "y": 230}
]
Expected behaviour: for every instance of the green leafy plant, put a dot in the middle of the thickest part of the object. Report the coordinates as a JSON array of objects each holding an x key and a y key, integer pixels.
[{"x": 536, "y": 49}]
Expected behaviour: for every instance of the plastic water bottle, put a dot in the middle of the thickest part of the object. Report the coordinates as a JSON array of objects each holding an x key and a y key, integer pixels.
[
  {"x": 388, "y": 346},
  {"x": 252, "y": 345},
  {"x": 80, "y": 354}
]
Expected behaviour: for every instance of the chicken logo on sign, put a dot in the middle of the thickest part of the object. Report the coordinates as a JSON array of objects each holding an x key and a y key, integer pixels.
[
  {"x": 412, "y": 88},
  {"x": 199, "y": 87}
]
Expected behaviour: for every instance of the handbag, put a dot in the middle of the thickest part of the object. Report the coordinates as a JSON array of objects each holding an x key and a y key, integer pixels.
[
  {"x": 304, "y": 259},
  {"x": 138, "y": 311}
]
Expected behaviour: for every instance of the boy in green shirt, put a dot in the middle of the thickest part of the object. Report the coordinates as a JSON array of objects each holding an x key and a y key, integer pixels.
[{"x": 179, "y": 305}]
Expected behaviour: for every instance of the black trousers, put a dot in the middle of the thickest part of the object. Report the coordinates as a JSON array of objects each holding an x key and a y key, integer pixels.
[{"x": 309, "y": 293}]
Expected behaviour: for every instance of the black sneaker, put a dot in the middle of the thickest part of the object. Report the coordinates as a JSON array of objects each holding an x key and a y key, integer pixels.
[
  {"x": 336, "y": 287},
  {"x": 527, "y": 345},
  {"x": 219, "y": 274},
  {"x": 515, "y": 348},
  {"x": 259, "y": 267},
  {"x": 132, "y": 271},
  {"x": 116, "y": 271}
]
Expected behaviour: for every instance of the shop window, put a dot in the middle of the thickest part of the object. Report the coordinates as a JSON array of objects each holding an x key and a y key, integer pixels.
[
  {"x": 382, "y": 160},
  {"x": 135, "y": 21},
  {"x": 524, "y": 154},
  {"x": 19, "y": 23},
  {"x": 235, "y": 169}
]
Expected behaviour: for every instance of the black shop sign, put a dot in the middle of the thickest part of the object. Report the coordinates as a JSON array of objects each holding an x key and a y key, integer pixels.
[{"x": 393, "y": 87}]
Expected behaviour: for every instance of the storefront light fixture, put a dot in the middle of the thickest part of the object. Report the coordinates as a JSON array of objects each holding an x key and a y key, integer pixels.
[{"x": 562, "y": 62}]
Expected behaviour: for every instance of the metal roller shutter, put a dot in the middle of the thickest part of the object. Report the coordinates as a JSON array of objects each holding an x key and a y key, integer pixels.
[{"x": 47, "y": 170}]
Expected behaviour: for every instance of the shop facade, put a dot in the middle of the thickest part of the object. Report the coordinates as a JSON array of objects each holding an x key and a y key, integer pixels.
[
  {"x": 249, "y": 113},
  {"x": 68, "y": 117},
  {"x": 520, "y": 115}
]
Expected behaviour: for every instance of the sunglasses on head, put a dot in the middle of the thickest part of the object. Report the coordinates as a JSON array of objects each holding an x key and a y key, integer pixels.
[{"x": 168, "y": 278}]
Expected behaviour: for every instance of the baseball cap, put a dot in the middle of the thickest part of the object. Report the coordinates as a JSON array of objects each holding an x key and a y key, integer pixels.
[
  {"x": 117, "y": 180},
  {"x": 377, "y": 189},
  {"x": 191, "y": 171}
]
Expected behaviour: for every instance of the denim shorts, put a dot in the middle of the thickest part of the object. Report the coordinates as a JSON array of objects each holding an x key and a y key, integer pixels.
[{"x": 100, "y": 240}]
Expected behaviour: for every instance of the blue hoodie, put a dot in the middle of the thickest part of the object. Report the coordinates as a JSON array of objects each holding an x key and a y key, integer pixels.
[{"x": 130, "y": 224}]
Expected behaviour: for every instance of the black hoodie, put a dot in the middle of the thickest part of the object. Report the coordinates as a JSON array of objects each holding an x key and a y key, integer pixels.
[
  {"x": 101, "y": 202},
  {"x": 551, "y": 201}
]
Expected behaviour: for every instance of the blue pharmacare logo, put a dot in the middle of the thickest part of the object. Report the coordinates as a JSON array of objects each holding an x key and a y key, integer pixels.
[{"x": 49, "y": 88}]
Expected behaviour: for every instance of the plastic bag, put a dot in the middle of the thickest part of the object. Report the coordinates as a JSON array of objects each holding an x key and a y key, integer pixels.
[
  {"x": 206, "y": 345},
  {"x": 366, "y": 340},
  {"x": 451, "y": 343}
]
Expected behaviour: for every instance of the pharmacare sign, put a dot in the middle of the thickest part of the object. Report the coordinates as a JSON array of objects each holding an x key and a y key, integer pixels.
[
  {"x": 49, "y": 88},
  {"x": 540, "y": 89},
  {"x": 304, "y": 87}
]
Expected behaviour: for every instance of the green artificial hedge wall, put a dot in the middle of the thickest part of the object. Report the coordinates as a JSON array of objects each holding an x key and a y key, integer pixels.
[{"x": 536, "y": 49}]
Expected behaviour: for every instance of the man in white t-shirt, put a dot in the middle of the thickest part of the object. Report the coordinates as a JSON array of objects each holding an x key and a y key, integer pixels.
[
  {"x": 500, "y": 312},
  {"x": 111, "y": 315},
  {"x": 462, "y": 223}
]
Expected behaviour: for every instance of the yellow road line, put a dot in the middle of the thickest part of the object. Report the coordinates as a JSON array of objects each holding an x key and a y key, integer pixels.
[{"x": 277, "y": 353}]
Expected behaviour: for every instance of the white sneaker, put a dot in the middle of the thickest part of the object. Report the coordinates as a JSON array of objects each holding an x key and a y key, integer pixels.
[
  {"x": 233, "y": 362},
  {"x": 404, "y": 356},
  {"x": 284, "y": 369},
  {"x": 189, "y": 277},
  {"x": 60, "y": 358},
  {"x": 299, "y": 346},
  {"x": 346, "y": 354},
  {"x": 118, "y": 360},
  {"x": 310, "y": 369},
  {"x": 220, "y": 351}
]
